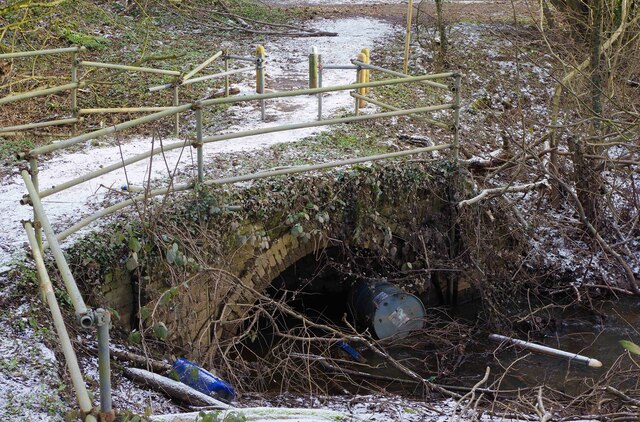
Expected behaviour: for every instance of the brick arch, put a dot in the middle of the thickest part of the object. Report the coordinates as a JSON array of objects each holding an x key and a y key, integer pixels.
[{"x": 259, "y": 272}]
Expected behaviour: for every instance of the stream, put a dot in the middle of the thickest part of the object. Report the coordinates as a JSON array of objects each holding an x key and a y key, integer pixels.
[{"x": 574, "y": 330}]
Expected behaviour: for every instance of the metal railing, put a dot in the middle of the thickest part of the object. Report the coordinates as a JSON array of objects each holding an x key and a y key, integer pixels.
[
  {"x": 360, "y": 91},
  {"x": 179, "y": 79}
]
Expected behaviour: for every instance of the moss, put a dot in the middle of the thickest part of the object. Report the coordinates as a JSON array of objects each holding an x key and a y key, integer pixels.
[
  {"x": 84, "y": 40},
  {"x": 9, "y": 147}
]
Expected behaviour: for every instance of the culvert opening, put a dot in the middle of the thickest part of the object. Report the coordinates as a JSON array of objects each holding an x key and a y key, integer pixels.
[
  {"x": 301, "y": 335},
  {"x": 346, "y": 292}
]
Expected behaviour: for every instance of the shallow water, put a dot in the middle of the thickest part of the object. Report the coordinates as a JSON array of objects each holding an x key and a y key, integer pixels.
[{"x": 574, "y": 330}]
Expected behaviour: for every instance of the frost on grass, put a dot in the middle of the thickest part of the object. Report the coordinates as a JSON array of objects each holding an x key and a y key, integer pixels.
[{"x": 30, "y": 387}]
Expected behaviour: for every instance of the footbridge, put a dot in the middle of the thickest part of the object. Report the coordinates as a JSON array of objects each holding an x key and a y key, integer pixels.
[{"x": 201, "y": 286}]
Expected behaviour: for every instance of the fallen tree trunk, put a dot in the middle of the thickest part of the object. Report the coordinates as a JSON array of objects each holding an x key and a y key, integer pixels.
[
  {"x": 261, "y": 414},
  {"x": 174, "y": 389}
]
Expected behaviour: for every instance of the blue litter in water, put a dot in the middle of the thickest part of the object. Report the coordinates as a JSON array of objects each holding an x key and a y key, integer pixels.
[
  {"x": 202, "y": 380},
  {"x": 350, "y": 350}
]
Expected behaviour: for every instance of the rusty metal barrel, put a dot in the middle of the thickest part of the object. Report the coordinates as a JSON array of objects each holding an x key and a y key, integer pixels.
[{"x": 385, "y": 309}]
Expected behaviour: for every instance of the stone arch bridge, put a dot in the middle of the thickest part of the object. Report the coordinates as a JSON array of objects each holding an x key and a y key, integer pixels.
[{"x": 206, "y": 265}]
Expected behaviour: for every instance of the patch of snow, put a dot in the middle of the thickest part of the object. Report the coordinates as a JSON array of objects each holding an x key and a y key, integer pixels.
[
  {"x": 383, "y": 408},
  {"x": 126, "y": 394},
  {"x": 29, "y": 381}
]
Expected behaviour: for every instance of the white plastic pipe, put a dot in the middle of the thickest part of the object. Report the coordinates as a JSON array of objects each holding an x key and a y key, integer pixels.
[{"x": 538, "y": 348}]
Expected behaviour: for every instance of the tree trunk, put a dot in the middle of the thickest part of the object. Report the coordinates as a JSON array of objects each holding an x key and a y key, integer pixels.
[
  {"x": 589, "y": 182},
  {"x": 548, "y": 16},
  {"x": 442, "y": 31}
]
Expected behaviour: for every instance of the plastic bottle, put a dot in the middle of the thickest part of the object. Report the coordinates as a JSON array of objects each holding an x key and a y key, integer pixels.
[{"x": 202, "y": 380}]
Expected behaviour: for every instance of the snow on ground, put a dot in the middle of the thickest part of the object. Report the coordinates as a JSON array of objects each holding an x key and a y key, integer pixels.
[
  {"x": 287, "y": 65},
  {"x": 29, "y": 380}
]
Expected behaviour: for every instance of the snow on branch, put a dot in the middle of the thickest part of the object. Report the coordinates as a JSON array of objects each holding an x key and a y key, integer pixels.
[{"x": 501, "y": 190}]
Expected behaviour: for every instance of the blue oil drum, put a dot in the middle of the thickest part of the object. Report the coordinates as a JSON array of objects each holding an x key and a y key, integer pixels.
[
  {"x": 385, "y": 309},
  {"x": 202, "y": 380}
]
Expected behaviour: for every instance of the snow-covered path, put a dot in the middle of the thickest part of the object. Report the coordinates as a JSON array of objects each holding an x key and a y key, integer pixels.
[{"x": 286, "y": 68}]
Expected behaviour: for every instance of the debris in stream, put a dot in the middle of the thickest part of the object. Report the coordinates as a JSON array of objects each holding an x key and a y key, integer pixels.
[
  {"x": 202, "y": 380},
  {"x": 386, "y": 309},
  {"x": 538, "y": 348},
  {"x": 174, "y": 389}
]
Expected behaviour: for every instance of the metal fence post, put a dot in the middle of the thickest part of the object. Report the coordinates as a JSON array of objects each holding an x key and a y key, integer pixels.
[
  {"x": 33, "y": 171},
  {"x": 407, "y": 41},
  {"x": 58, "y": 321},
  {"x": 320, "y": 86},
  {"x": 360, "y": 75},
  {"x": 260, "y": 55},
  {"x": 198, "y": 144},
  {"x": 74, "y": 79},
  {"x": 367, "y": 72},
  {"x": 313, "y": 68},
  {"x": 103, "y": 321},
  {"x": 176, "y": 102}
]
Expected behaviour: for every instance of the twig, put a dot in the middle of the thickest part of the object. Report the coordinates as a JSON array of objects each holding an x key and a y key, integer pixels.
[
  {"x": 501, "y": 190},
  {"x": 471, "y": 394}
]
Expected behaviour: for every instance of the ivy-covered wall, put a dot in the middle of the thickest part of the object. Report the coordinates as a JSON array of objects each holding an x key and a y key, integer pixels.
[{"x": 195, "y": 266}]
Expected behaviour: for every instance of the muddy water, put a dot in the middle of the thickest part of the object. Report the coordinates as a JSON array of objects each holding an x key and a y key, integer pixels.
[{"x": 572, "y": 329}]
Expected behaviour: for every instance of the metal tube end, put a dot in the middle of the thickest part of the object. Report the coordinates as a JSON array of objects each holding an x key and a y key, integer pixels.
[
  {"x": 85, "y": 320},
  {"x": 594, "y": 363}
]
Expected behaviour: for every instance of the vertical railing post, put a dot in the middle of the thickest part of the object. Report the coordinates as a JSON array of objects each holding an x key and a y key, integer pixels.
[
  {"x": 454, "y": 183},
  {"x": 176, "y": 102},
  {"x": 313, "y": 68},
  {"x": 260, "y": 55},
  {"x": 226, "y": 69},
  {"x": 198, "y": 143},
  {"x": 33, "y": 171},
  {"x": 103, "y": 322},
  {"x": 319, "y": 86},
  {"x": 74, "y": 79},
  {"x": 367, "y": 72},
  {"x": 456, "y": 119},
  {"x": 315, "y": 77},
  {"x": 360, "y": 75},
  {"x": 70, "y": 357},
  {"x": 407, "y": 40}
]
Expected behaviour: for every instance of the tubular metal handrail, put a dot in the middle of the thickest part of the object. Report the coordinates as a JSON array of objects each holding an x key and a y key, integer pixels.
[
  {"x": 82, "y": 312},
  {"x": 130, "y": 68},
  {"x": 48, "y": 52},
  {"x": 100, "y": 317},
  {"x": 400, "y": 74},
  {"x": 58, "y": 321},
  {"x": 242, "y": 178},
  {"x": 179, "y": 109},
  {"x": 40, "y": 93},
  {"x": 85, "y": 316},
  {"x": 234, "y": 135}
]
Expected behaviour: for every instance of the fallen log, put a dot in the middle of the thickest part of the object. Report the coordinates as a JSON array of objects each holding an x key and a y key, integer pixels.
[
  {"x": 155, "y": 365},
  {"x": 174, "y": 389},
  {"x": 261, "y": 414}
]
